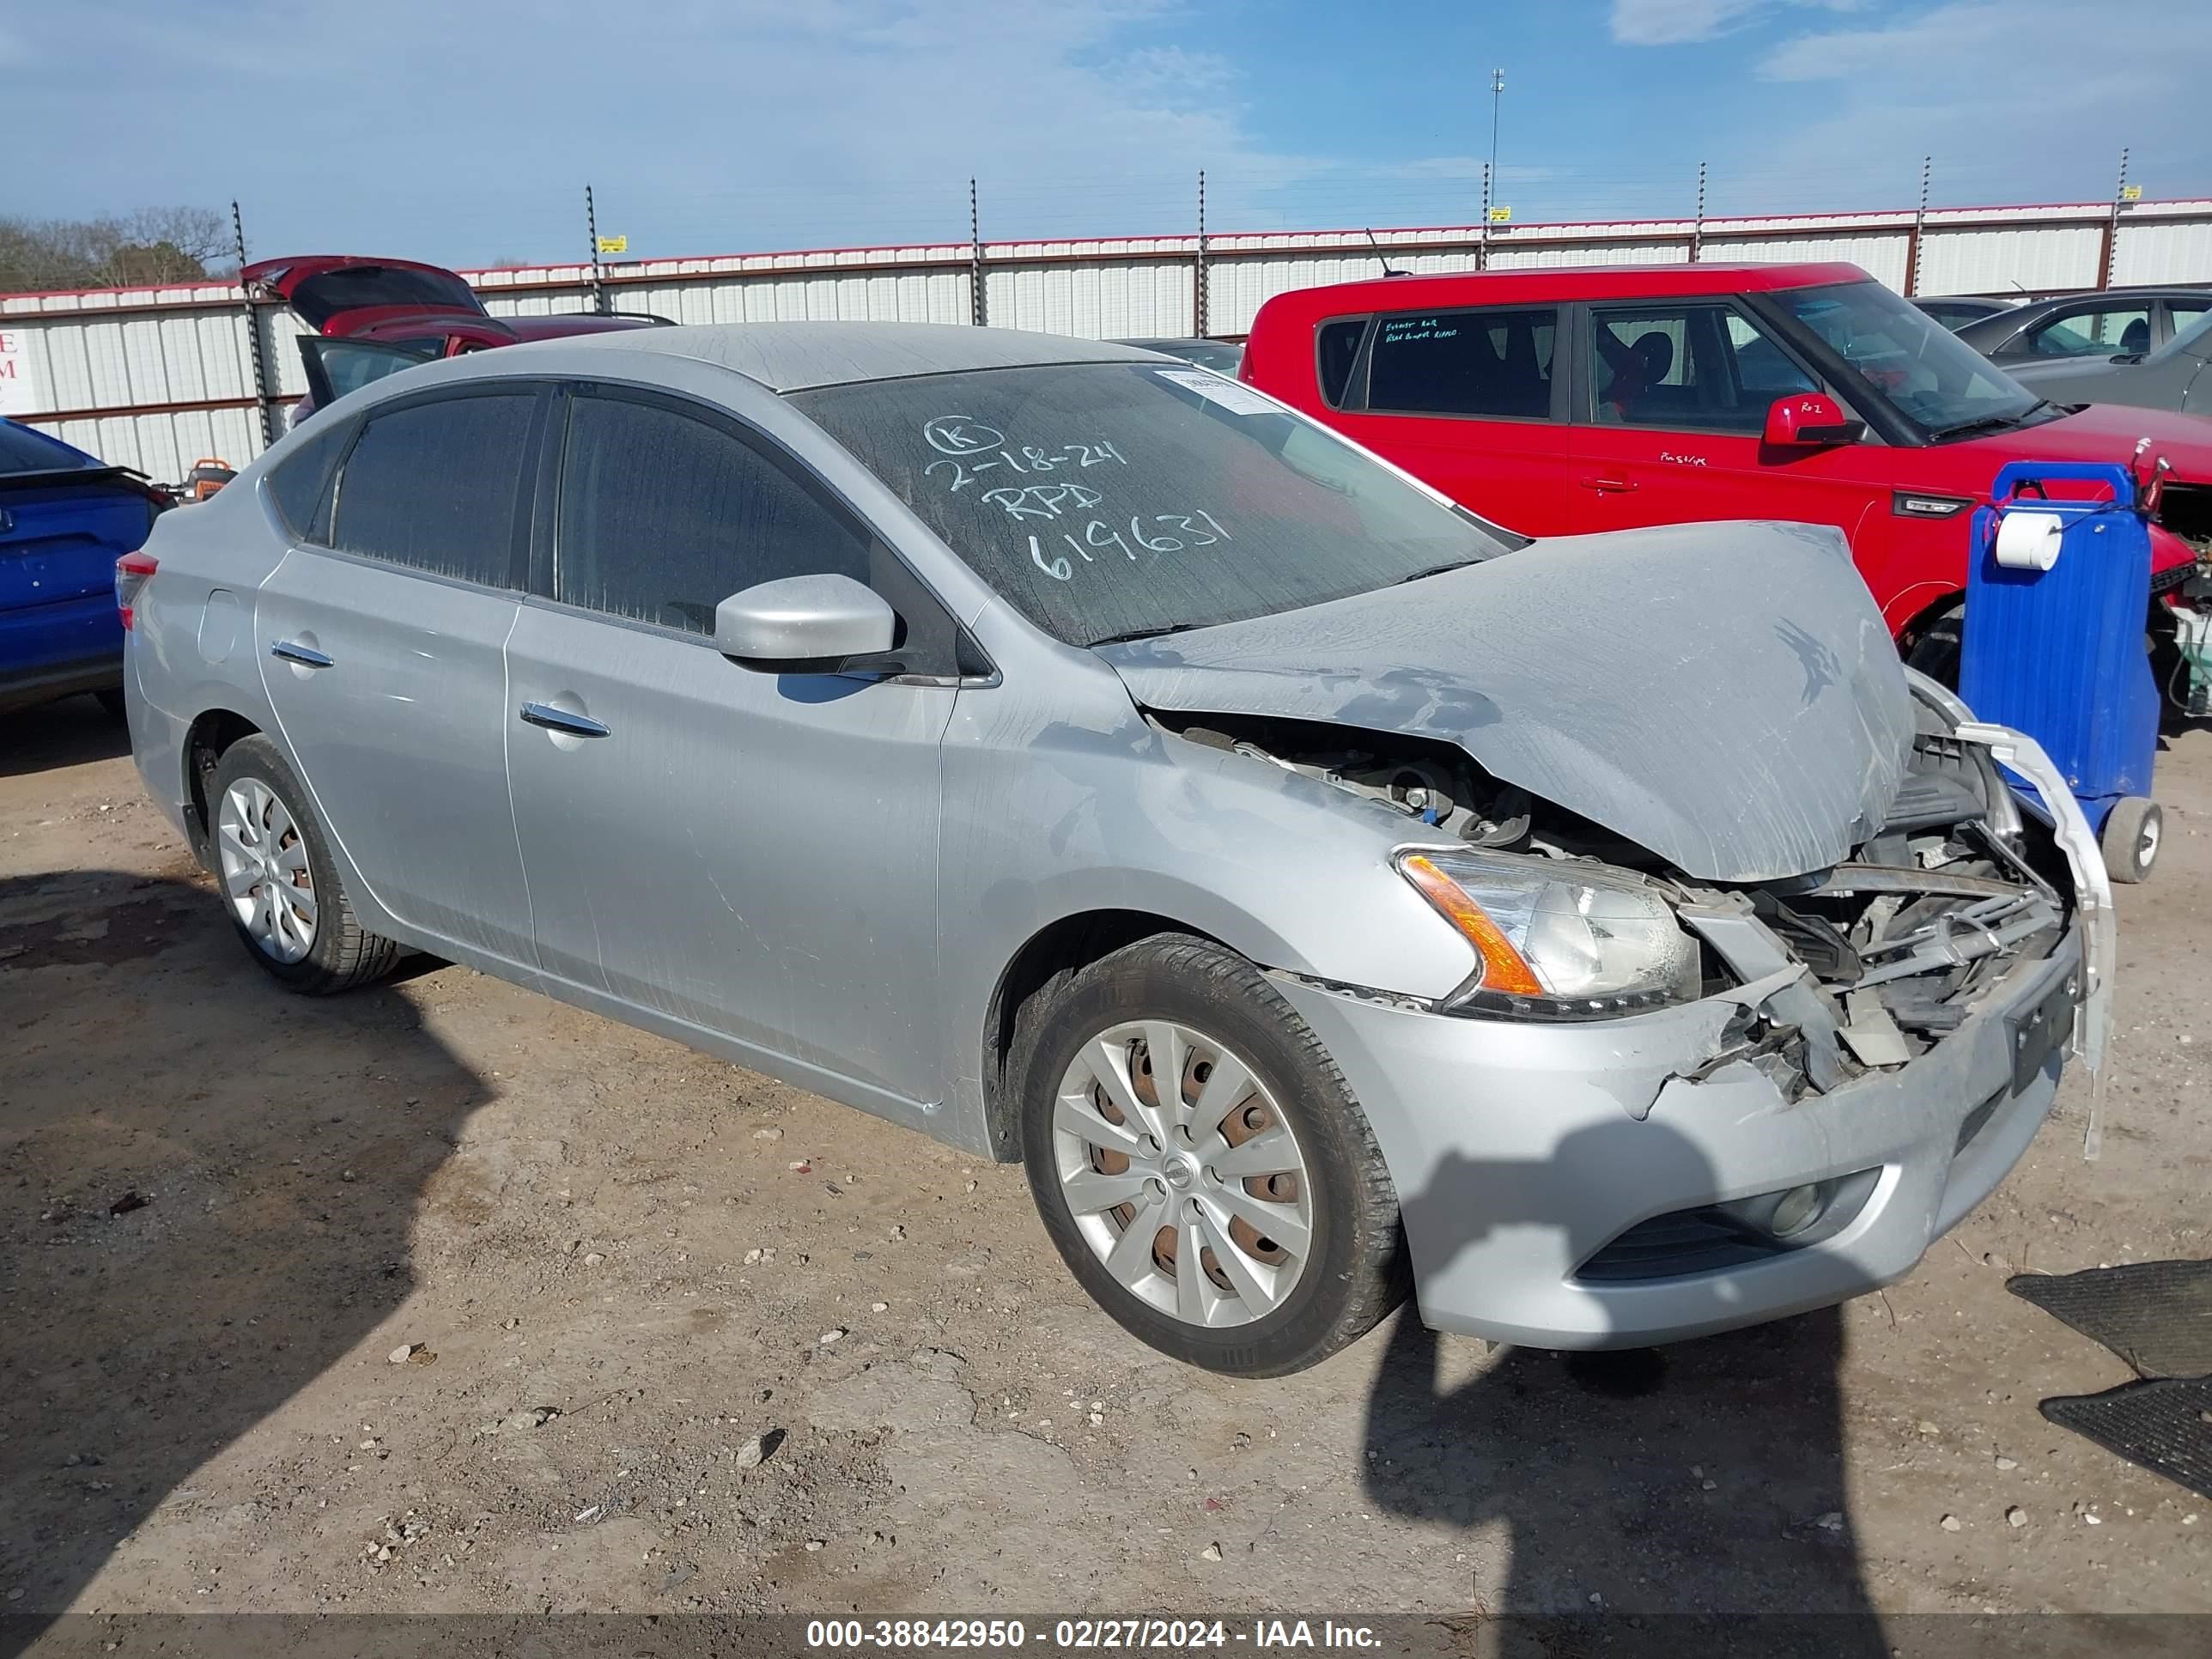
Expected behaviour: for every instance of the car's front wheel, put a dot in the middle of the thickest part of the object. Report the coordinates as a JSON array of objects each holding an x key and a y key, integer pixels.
[
  {"x": 278, "y": 881},
  {"x": 1200, "y": 1162}
]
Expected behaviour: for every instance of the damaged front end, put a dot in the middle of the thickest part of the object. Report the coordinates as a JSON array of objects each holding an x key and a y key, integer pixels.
[{"x": 1820, "y": 979}]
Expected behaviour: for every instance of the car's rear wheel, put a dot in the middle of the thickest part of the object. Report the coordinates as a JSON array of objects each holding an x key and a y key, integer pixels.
[
  {"x": 1200, "y": 1162},
  {"x": 278, "y": 881}
]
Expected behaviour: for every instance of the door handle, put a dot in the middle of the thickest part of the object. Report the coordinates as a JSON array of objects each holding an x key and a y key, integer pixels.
[
  {"x": 560, "y": 719},
  {"x": 306, "y": 656},
  {"x": 1609, "y": 486}
]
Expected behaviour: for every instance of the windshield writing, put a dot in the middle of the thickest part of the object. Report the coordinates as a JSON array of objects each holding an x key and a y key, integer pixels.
[{"x": 1106, "y": 501}]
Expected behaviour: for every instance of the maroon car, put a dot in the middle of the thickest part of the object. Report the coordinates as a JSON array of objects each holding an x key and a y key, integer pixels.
[{"x": 375, "y": 317}]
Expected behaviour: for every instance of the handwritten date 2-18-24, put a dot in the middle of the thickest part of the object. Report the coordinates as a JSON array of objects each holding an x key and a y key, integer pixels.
[{"x": 1162, "y": 532}]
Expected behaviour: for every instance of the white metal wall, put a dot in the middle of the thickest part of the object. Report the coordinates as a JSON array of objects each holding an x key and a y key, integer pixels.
[{"x": 156, "y": 378}]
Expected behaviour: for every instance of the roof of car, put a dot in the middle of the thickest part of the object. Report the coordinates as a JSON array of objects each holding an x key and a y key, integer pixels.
[
  {"x": 1557, "y": 282},
  {"x": 793, "y": 356}
]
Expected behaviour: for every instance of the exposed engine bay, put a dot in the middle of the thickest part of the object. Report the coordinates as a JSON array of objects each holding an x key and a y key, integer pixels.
[{"x": 1856, "y": 968}]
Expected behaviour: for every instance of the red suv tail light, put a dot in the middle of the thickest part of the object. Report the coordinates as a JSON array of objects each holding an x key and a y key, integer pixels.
[{"x": 131, "y": 571}]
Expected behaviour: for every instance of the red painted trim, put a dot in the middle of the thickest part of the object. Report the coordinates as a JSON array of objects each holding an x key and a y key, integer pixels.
[{"x": 115, "y": 411}]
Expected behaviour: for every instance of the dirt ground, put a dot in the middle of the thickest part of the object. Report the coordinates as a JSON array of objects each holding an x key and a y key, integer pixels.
[{"x": 619, "y": 1265}]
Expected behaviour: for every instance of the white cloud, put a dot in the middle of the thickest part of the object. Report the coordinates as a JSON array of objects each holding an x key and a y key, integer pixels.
[
  {"x": 1676, "y": 23},
  {"x": 706, "y": 127},
  {"x": 1934, "y": 83}
]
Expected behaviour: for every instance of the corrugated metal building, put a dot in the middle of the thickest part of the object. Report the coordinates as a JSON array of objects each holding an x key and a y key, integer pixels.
[{"x": 156, "y": 377}]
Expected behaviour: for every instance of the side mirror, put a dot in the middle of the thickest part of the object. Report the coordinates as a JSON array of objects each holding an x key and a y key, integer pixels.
[
  {"x": 1809, "y": 420},
  {"x": 804, "y": 623}
]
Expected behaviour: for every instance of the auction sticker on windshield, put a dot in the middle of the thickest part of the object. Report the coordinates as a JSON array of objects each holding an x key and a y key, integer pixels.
[{"x": 1231, "y": 395}]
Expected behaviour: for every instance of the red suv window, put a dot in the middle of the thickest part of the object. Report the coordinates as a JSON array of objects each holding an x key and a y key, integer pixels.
[{"x": 1493, "y": 363}]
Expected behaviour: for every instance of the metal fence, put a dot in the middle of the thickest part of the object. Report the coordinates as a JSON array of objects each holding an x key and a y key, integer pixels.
[{"x": 156, "y": 378}]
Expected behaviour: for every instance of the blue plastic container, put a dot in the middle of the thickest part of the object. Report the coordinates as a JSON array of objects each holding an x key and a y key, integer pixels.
[{"x": 2060, "y": 655}]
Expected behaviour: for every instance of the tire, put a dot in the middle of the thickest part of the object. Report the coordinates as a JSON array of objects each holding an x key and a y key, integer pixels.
[
  {"x": 111, "y": 699},
  {"x": 1267, "y": 1309},
  {"x": 257, "y": 793},
  {"x": 2133, "y": 833},
  {"x": 1934, "y": 649}
]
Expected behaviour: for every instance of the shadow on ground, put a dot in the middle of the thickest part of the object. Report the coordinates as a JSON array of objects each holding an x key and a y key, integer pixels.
[
  {"x": 1638, "y": 1489},
  {"x": 210, "y": 1188},
  {"x": 70, "y": 732}
]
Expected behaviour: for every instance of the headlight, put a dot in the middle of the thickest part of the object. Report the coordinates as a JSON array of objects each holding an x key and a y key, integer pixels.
[{"x": 1556, "y": 938}]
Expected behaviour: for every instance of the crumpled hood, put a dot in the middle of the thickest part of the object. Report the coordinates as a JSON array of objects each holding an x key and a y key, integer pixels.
[{"x": 1725, "y": 695}]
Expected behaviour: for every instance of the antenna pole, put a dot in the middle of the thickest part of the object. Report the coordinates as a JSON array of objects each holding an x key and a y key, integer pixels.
[{"x": 591, "y": 233}]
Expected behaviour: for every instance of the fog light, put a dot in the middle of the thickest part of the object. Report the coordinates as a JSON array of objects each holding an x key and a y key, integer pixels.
[{"x": 1799, "y": 1208}]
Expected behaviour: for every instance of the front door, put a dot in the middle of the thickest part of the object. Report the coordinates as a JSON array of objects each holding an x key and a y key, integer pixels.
[
  {"x": 381, "y": 653},
  {"x": 1670, "y": 416},
  {"x": 752, "y": 855}
]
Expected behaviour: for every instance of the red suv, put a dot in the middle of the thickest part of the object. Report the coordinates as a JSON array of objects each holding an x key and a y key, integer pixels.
[{"x": 1561, "y": 401}]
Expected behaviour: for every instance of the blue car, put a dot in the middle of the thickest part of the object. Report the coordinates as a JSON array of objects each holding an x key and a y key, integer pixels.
[{"x": 66, "y": 518}]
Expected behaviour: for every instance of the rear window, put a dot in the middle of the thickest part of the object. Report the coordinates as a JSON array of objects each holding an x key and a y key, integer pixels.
[
  {"x": 299, "y": 485},
  {"x": 438, "y": 486},
  {"x": 1496, "y": 363},
  {"x": 319, "y": 297},
  {"x": 1336, "y": 348},
  {"x": 23, "y": 450}
]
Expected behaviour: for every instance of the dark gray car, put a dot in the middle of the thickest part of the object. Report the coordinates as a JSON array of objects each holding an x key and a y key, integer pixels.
[
  {"x": 2172, "y": 378},
  {"x": 2087, "y": 326}
]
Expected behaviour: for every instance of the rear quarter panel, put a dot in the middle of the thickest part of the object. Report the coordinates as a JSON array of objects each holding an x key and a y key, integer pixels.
[{"x": 192, "y": 648}]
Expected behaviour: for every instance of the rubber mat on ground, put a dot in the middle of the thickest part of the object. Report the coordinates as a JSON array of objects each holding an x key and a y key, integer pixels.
[
  {"x": 2165, "y": 1426},
  {"x": 2156, "y": 1315}
]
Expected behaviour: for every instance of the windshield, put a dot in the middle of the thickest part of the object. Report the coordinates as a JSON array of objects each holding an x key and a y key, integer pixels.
[
  {"x": 1925, "y": 372},
  {"x": 2196, "y": 339},
  {"x": 1110, "y": 501}
]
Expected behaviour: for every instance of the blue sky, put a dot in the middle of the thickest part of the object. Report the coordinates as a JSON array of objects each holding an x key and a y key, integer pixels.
[{"x": 462, "y": 131}]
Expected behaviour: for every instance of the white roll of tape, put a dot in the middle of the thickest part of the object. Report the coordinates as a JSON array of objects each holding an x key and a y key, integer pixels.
[{"x": 2030, "y": 541}]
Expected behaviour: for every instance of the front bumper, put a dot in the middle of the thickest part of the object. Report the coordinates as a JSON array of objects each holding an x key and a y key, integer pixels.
[
  {"x": 1518, "y": 1156},
  {"x": 1524, "y": 1153}
]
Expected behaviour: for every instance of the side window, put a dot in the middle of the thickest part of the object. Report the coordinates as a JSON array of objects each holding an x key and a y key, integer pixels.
[
  {"x": 300, "y": 485},
  {"x": 439, "y": 485},
  {"x": 1336, "y": 348},
  {"x": 2092, "y": 334},
  {"x": 664, "y": 515},
  {"x": 1463, "y": 362},
  {"x": 2184, "y": 314},
  {"x": 1699, "y": 367}
]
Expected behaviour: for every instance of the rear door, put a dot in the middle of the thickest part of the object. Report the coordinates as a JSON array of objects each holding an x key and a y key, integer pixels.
[
  {"x": 1468, "y": 400},
  {"x": 1672, "y": 406},
  {"x": 382, "y": 634},
  {"x": 749, "y": 855}
]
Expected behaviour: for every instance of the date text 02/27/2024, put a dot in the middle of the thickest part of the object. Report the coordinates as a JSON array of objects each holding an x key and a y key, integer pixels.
[{"x": 1263, "y": 1636}]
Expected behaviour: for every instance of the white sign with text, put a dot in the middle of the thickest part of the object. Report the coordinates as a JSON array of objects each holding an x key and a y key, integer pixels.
[{"x": 19, "y": 390}]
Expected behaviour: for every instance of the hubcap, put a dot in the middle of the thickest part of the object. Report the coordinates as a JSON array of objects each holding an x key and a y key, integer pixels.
[
  {"x": 1183, "y": 1174},
  {"x": 265, "y": 875}
]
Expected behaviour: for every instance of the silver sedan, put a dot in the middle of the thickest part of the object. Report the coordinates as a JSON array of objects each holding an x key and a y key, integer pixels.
[{"x": 1083, "y": 759}]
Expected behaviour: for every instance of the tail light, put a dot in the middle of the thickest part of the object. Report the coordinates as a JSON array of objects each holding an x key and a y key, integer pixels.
[{"x": 131, "y": 571}]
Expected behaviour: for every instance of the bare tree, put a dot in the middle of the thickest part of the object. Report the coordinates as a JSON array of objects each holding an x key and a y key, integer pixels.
[{"x": 153, "y": 244}]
